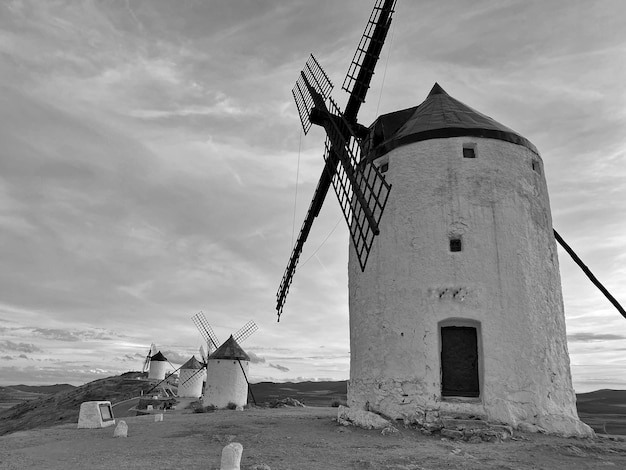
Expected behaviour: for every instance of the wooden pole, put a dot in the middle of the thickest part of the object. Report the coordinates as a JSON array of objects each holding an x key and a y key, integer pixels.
[{"x": 589, "y": 274}]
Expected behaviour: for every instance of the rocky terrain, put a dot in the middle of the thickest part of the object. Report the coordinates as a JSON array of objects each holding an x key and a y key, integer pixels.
[{"x": 289, "y": 438}]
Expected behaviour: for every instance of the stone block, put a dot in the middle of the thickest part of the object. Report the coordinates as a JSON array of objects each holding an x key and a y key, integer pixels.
[
  {"x": 231, "y": 456},
  {"x": 121, "y": 430},
  {"x": 361, "y": 418},
  {"x": 95, "y": 414}
]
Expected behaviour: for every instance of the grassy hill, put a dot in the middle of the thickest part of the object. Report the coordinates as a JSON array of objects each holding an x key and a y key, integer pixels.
[
  {"x": 11, "y": 396},
  {"x": 62, "y": 407},
  {"x": 15, "y": 394},
  {"x": 603, "y": 410},
  {"x": 44, "y": 389}
]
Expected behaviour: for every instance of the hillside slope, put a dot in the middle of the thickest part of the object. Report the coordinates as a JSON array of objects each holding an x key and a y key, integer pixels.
[
  {"x": 45, "y": 389},
  {"x": 63, "y": 407}
]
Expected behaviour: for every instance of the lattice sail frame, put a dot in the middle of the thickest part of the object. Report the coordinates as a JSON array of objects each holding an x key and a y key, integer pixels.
[
  {"x": 351, "y": 83},
  {"x": 369, "y": 189},
  {"x": 360, "y": 187},
  {"x": 245, "y": 332},
  {"x": 196, "y": 375},
  {"x": 314, "y": 75},
  {"x": 206, "y": 331}
]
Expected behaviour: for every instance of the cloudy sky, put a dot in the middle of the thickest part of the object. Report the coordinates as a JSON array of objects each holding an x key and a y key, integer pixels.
[{"x": 152, "y": 165}]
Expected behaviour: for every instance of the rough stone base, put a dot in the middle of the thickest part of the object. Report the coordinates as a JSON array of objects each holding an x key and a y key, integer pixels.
[{"x": 395, "y": 400}]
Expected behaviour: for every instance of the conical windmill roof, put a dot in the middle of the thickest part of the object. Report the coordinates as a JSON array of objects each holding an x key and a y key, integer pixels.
[
  {"x": 230, "y": 349},
  {"x": 158, "y": 357},
  {"x": 439, "y": 116},
  {"x": 193, "y": 364}
]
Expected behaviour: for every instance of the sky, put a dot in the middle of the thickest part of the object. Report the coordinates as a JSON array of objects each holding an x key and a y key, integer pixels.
[{"x": 152, "y": 165}]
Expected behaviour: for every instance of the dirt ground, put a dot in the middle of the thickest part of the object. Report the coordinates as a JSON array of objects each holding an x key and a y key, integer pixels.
[{"x": 290, "y": 438}]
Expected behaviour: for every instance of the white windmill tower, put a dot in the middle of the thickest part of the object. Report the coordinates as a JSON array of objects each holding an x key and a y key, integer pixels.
[
  {"x": 462, "y": 290},
  {"x": 158, "y": 366},
  {"x": 460, "y": 307},
  {"x": 190, "y": 379},
  {"x": 226, "y": 367}
]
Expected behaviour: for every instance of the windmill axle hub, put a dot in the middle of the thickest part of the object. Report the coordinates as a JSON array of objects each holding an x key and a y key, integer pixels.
[{"x": 320, "y": 118}]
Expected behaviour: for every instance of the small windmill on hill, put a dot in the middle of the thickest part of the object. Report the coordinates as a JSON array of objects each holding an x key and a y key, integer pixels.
[
  {"x": 155, "y": 363},
  {"x": 226, "y": 365}
]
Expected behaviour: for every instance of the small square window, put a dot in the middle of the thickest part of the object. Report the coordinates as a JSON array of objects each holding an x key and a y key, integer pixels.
[
  {"x": 536, "y": 166},
  {"x": 384, "y": 167},
  {"x": 455, "y": 244},
  {"x": 469, "y": 152}
]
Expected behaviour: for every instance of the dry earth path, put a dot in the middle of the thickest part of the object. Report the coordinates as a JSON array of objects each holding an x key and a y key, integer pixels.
[{"x": 290, "y": 439}]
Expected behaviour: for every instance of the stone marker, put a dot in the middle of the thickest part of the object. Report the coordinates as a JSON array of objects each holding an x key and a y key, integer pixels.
[
  {"x": 121, "y": 430},
  {"x": 95, "y": 414},
  {"x": 231, "y": 456},
  {"x": 158, "y": 417},
  {"x": 361, "y": 418}
]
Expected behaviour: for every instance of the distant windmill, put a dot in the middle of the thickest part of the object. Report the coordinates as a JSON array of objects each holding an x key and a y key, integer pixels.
[
  {"x": 226, "y": 367},
  {"x": 191, "y": 377},
  {"x": 460, "y": 308},
  {"x": 146, "y": 362},
  {"x": 158, "y": 366}
]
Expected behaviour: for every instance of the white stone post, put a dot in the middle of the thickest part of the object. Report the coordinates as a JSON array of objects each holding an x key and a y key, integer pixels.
[{"x": 231, "y": 456}]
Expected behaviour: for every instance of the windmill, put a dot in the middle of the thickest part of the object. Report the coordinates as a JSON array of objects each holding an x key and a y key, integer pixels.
[
  {"x": 359, "y": 185},
  {"x": 146, "y": 362},
  {"x": 463, "y": 313},
  {"x": 224, "y": 366}
]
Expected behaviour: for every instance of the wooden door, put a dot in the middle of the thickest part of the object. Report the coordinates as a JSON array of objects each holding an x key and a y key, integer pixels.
[{"x": 459, "y": 362}]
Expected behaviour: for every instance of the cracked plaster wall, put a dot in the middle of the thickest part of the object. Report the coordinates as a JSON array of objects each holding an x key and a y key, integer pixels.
[{"x": 505, "y": 280}]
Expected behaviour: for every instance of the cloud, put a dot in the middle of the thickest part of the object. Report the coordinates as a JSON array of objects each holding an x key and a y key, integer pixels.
[
  {"x": 176, "y": 357},
  {"x": 7, "y": 358},
  {"x": 590, "y": 337},
  {"x": 7, "y": 345},
  {"x": 279, "y": 367},
  {"x": 56, "y": 334},
  {"x": 255, "y": 359}
]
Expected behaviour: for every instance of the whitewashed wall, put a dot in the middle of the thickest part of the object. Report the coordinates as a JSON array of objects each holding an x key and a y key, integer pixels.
[
  {"x": 505, "y": 280},
  {"x": 190, "y": 383},
  {"x": 226, "y": 383},
  {"x": 157, "y": 370}
]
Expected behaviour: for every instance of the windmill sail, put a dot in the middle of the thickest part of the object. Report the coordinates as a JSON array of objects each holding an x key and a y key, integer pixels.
[
  {"x": 205, "y": 330},
  {"x": 360, "y": 187},
  {"x": 245, "y": 331},
  {"x": 361, "y": 70},
  {"x": 311, "y": 76}
]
